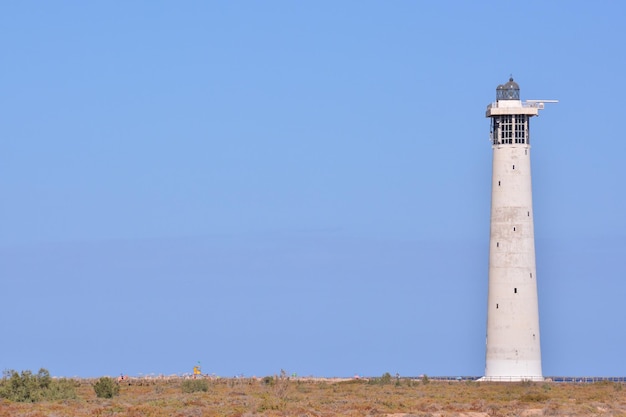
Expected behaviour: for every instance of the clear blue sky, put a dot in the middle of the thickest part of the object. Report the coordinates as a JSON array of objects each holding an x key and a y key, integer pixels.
[{"x": 301, "y": 185}]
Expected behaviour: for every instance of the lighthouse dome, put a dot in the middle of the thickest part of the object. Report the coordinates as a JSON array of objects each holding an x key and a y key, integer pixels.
[{"x": 508, "y": 91}]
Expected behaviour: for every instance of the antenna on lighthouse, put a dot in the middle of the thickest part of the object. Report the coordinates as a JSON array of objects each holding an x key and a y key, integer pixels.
[{"x": 540, "y": 104}]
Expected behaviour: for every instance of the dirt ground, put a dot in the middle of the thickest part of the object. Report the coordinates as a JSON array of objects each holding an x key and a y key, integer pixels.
[{"x": 276, "y": 396}]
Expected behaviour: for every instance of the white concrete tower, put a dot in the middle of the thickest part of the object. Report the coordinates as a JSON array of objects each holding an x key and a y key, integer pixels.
[{"x": 513, "y": 343}]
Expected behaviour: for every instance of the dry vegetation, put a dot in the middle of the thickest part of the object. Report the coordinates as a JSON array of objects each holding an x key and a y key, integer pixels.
[{"x": 282, "y": 396}]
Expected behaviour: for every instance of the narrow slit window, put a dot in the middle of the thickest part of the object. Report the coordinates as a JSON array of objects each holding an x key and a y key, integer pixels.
[
  {"x": 514, "y": 229},
  {"x": 513, "y": 166},
  {"x": 498, "y": 183},
  {"x": 497, "y": 244},
  {"x": 531, "y": 274},
  {"x": 515, "y": 290},
  {"x": 497, "y": 306},
  {"x": 528, "y": 213}
]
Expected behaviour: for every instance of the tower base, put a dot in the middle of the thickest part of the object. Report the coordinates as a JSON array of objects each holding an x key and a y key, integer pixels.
[{"x": 511, "y": 378}]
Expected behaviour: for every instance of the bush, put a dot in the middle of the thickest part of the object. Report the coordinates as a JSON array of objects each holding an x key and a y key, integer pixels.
[
  {"x": 106, "y": 387},
  {"x": 195, "y": 385},
  {"x": 62, "y": 389},
  {"x": 29, "y": 387},
  {"x": 384, "y": 379}
]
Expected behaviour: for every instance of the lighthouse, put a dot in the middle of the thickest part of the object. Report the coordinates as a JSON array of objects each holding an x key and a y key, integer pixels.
[{"x": 513, "y": 350}]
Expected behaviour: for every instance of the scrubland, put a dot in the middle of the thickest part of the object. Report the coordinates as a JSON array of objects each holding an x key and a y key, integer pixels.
[{"x": 283, "y": 396}]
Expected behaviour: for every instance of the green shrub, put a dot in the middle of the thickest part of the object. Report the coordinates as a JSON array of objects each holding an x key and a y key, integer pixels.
[
  {"x": 384, "y": 379},
  {"x": 62, "y": 389},
  {"x": 29, "y": 387},
  {"x": 106, "y": 387},
  {"x": 195, "y": 385}
]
